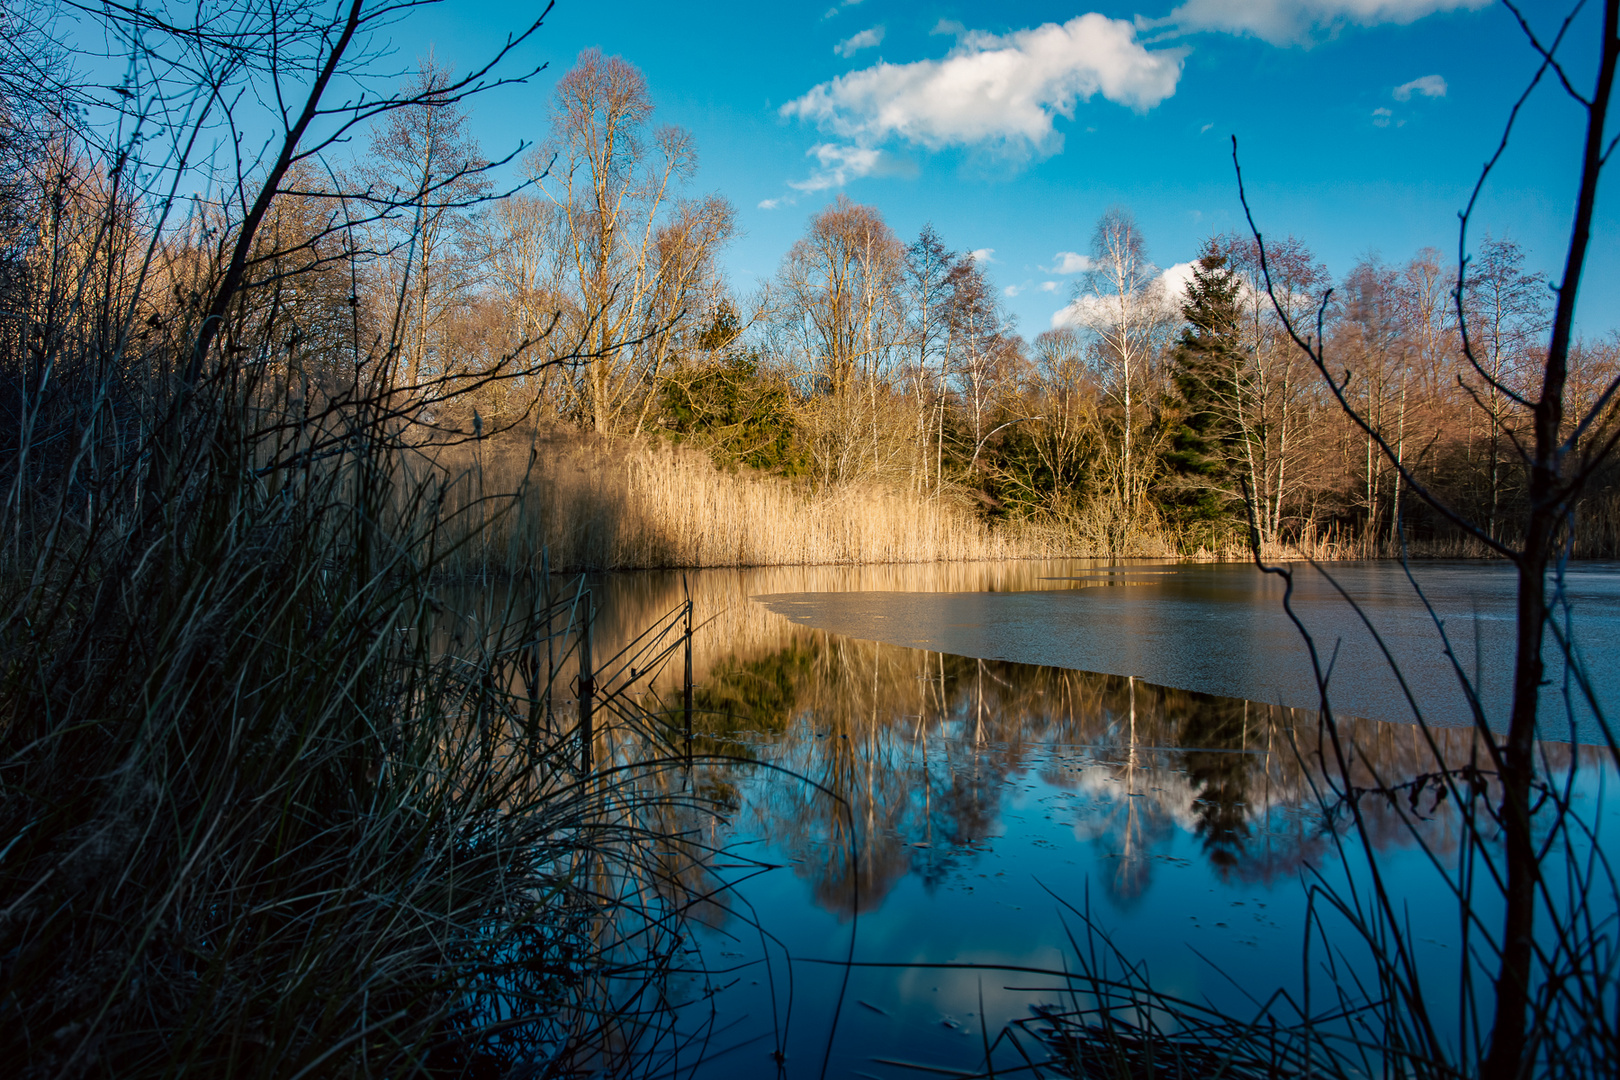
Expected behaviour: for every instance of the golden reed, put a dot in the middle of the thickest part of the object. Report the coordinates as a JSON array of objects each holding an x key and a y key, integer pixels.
[{"x": 625, "y": 504}]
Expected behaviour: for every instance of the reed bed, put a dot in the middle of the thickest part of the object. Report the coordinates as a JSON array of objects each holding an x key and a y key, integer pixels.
[
  {"x": 270, "y": 806},
  {"x": 634, "y": 503},
  {"x": 625, "y": 504}
]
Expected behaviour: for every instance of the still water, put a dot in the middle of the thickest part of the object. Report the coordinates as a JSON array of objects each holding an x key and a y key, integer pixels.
[{"x": 948, "y": 773}]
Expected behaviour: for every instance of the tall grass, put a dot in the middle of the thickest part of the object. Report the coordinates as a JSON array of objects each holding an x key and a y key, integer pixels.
[
  {"x": 266, "y": 813},
  {"x": 634, "y": 504},
  {"x": 267, "y": 807}
]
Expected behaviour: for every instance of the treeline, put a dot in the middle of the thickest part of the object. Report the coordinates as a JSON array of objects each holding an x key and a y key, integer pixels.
[
  {"x": 589, "y": 294},
  {"x": 1148, "y": 423}
]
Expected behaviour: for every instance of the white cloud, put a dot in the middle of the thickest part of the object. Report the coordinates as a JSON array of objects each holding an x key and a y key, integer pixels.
[
  {"x": 1014, "y": 290},
  {"x": 949, "y": 27},
  {"x": 1174, "y": 282},
  {"x": 1290, "y": 22},
  {"x": 1381, "y": 117},
  {"x": 1068, "y": 262},
  {"x": 1049, "y": 286},
  {"x": 1003, "y": 92},
  {"x": 1078, "y": 313},
  {"x": 839, "y": 165},
  {"x": 853, "y": 44},
  {"x": 770, "y": 204},
  {"x": 1205, "y": 128},
  {"x": 1428, "y": 86},
  {"x": 982, "y": 255},
  {"x": 1168, "y": 290}
]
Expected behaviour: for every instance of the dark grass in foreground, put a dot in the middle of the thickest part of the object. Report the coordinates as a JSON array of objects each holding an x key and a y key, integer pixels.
[{"x": 257, "y": 823}]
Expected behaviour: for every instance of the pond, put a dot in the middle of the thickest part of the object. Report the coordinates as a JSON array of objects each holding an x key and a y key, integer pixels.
[{"x": 962, "y": 776}]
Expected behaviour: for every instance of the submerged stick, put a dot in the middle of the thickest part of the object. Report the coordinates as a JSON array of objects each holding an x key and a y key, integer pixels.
[
  {"x": 688, "y": 685},
  {"x": 587, "y": 685}
]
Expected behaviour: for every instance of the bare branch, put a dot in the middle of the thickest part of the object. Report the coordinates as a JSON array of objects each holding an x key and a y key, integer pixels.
[{"x": 1317, "y": 358}]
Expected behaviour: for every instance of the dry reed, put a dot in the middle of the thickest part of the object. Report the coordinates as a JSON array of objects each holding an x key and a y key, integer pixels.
[{"x": 634, "y": 504}]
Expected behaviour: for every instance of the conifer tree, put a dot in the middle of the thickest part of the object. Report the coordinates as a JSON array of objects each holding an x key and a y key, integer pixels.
[{"x": 1206, "y": 367}]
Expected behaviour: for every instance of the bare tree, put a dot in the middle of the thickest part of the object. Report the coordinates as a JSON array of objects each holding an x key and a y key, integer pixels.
[
  {"x": 512, "y": 239},
  {"x": 689, "y": 290},
  {"x": 1507, "y": 317},
  {"x": 427, "y": 166},
  {"x": 1121, "y": 304},
  {"x": 840, "y": 313},
  {"x": 1560, "y": 454},
  {"x": 611, "y": 174},
  {"x": 928, "y": 268},
  {"x": 1371, "y": 330},
  {"x": 1065, "y": 398},
  {"x": 1276, "y": 399},
  {"x": 983, "y": 348}
]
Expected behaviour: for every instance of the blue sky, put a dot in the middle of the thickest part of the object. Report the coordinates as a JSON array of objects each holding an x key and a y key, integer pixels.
[{"x": 1362, "y": 123}]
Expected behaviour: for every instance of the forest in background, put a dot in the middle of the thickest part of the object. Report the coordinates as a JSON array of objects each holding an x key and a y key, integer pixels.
[
  {"x": 271, "y": 807},
  {"x": 583, "y": 311},
  {"x": 875, "y": 363}
]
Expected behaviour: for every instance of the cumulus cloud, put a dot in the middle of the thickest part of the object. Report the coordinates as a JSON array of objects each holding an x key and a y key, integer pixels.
[
  {"x": 1293, "y": 22},
  {"x": 1001, "y": 92},
  {"x": 1169, "y": 292},
  {"x": 837, "y": 165},
  {"x": 1381, "y": 117},
  {"x": 853, "y": 44},
  {"x": 1068, "y": 262},
  {"x": 1049, "y": 286},
  {"x": 1428, "y": 86},
  {"x": 1079, "y": 313},
  {"x": 982, "y": 255},
  {"x": 1174, "y": 282}
]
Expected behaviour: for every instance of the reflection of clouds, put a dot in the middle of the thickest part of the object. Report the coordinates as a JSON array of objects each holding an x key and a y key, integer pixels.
[{"x": 926, "y": 748}]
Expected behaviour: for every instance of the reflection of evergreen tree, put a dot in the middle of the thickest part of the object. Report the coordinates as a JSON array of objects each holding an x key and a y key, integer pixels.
[
  {"x": 1220, "y": 779},
  {"x": 916, "y": 748}
]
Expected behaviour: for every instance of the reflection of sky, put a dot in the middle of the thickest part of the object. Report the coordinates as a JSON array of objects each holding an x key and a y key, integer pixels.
[{"x": 1002, "y": 903}]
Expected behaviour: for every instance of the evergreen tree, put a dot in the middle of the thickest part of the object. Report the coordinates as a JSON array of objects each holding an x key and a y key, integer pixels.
[{"x": 1205, "y": 368}]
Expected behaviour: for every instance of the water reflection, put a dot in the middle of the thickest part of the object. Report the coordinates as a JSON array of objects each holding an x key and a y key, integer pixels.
[
  {"x": 917, "y": 751},
  {"x": 1221, "y": 629},
  {"x": 923, "y": 746},
  {"x": 950, "y": 800}
]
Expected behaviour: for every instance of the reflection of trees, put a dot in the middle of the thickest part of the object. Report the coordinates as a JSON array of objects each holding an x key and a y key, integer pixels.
[
  {"x": 923, "y": 748},
  {"x": 918, "y": 750},
  {"x": 1219, "y": 770},
  {"x": 1131, "y": 820}
]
